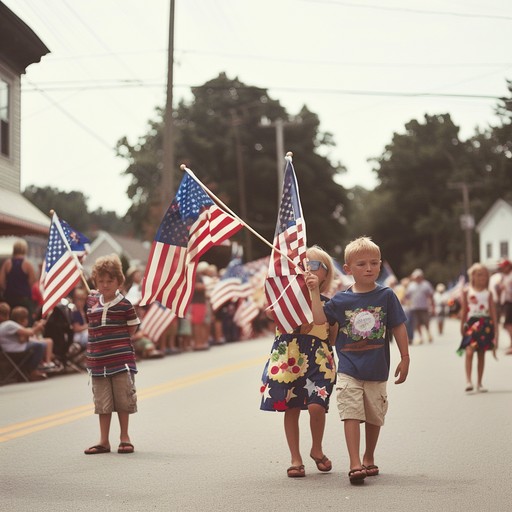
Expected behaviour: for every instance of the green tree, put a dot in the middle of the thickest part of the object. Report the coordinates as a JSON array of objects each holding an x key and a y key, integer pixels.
[
  {"x": 416, "y": 219},
  {"x": 221, "y": 137},
  {"x": 72, "y": 207}
]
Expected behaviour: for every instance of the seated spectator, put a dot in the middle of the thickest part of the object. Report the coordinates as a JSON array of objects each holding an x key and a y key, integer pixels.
[
  {"x": 14, "y": 339},
  {"x": 21, "y": 316}
]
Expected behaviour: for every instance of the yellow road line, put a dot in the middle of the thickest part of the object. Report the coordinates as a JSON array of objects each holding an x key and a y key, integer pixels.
[{"x": 25, "y": 428}]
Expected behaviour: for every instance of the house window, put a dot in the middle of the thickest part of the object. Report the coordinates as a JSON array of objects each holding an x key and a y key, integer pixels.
[
  {"x": 4, "y": 118},
  {"x": 488, "y": 251},
  {"x": 503, "y": 249}
]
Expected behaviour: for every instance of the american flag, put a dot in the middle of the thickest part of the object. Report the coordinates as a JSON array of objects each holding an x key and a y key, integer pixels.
[
  {"x": 245, "y": 313},
  {"x": 61, "y": 270},
  {"x": 285, "y": 286},
  {"x": 156, "y": 320},
  {"x": 234, "y": 284},
  {"x": 192, "y": 224}
]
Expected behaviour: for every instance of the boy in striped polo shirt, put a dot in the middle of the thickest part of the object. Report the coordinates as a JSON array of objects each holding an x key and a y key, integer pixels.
[{"x": 110, "y": 355}]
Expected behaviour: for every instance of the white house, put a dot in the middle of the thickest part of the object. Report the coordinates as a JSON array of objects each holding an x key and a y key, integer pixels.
[
  {"x": 19, "y": 48},
  {"x": 495, "y": 230}
]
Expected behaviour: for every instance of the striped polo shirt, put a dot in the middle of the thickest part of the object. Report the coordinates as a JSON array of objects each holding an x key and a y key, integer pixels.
[{"x": 109, "y": 349}]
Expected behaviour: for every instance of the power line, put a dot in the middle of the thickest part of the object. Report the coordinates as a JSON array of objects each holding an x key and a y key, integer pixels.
[
  {"x": 288, "y": 60},
  {"x": 411, "y": 11},
  {"x": 122, "y": 84}
]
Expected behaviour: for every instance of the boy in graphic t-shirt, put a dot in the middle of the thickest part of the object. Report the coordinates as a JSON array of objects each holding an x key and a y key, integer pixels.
[{"x": 367, "y": 315}]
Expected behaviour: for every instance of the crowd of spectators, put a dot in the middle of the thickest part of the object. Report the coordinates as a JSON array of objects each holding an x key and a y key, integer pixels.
[{"x": 58, "y": 342}]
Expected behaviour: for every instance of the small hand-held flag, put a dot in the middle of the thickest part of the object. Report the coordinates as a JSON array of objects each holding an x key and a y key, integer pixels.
[
  {"x": 62, "y": 270},
  {"x": 285, "y": 286},
  {"x": 192, "y": 224}
]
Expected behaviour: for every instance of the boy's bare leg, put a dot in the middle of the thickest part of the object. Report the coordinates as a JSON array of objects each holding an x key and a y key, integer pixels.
[
  {"x": 291, "y": 429},
  {"x": 352, "y": 438},
  {"x": 105, "y": 420},
  {"x": 372, "y": 436},
  {"x": 123, "y": 426}
]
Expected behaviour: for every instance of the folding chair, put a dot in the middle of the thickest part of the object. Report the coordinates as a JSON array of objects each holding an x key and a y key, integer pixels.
[{"x": 14, "y": 363}]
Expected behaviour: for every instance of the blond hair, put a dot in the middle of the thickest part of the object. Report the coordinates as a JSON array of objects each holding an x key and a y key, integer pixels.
[
  {"x": 317, "y": 253},
  {"x": 360, "y": 245},
  {"x": 19, "y": 248},
  {"x": 110, "y": 265},
  {"x": 473, "y": 269}
]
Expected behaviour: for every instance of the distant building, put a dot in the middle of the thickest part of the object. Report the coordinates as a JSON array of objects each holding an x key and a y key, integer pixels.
[
  {"x": 19, "y": 47},
  {"x": 134, "y": 252},
  {"x": 495, "y": 230}
]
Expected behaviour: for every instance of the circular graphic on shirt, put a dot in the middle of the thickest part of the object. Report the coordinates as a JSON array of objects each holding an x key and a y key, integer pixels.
[{"x": 364, "y": 321}]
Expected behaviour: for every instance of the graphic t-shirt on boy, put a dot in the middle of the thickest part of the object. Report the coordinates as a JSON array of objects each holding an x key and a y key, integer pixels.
[{"x": 365, "y": 321}]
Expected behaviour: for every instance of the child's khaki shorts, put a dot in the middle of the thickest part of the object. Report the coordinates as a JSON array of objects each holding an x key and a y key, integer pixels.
[
  {"x": 362, "y": 400},
  {"x": 115, "y": 393}
]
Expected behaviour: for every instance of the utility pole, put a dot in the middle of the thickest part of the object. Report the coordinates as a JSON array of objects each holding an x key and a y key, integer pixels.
[
  {"x": 279, "y": 125},
  {"x": 242, "y": 198},
  {"x": 467, "y": 221},
  {"x": 167, "y": 181}
]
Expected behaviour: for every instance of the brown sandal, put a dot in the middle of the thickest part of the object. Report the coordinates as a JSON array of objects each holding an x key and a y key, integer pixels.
[
  {"x": 324, "y": 460},
  {"x": 94, "y": 450},
  {"x": 371, "y": 470},
  {"x": 296, "y": 471},
  {"x": 125, "y": 448},
  {"x": 357, "y": 476}
]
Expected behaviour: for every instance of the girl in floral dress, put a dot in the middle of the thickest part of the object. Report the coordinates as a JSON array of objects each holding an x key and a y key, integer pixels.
[
  {"x": 478, "y": 323},
  {"x": 300, "y": 375}
]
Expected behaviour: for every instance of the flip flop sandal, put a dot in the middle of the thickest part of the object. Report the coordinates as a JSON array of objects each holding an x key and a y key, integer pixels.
[
  {"x": 357, "y": 476},
  {"x": 371, "y": 470},
  {"x": 296, "y": 471},
  {"x": 324, "y": 461},
  {"x": 94, "y": 450},
  {"x": 125, "y": 448}
]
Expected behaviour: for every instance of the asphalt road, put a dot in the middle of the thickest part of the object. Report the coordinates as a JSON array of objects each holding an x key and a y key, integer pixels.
[{"x": 203, "y": 445}]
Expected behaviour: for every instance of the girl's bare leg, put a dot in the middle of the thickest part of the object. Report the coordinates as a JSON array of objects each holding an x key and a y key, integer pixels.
[
  {"x": 317, "y": 426},
  {"x": 469, "y": 366},
  {"x": 480, "y": 367},
  {"x": 291, "y": 429}
]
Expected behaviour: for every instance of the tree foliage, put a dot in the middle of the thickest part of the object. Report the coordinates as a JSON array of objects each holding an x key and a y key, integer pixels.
[
  {"x": 72, "y": 207},
  {"x": 221, "y": 137}
]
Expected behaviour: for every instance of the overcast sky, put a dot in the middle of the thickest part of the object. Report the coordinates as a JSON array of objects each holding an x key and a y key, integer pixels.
[{"x": 365, "y": 67}]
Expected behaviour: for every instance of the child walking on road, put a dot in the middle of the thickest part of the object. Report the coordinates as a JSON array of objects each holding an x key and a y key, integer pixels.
[
  {"x": 478, "y": 323},
  {"x": 367, "y": 314},
  {"x": 110, "y": 356},
  {"x": 300, "y": 375}
]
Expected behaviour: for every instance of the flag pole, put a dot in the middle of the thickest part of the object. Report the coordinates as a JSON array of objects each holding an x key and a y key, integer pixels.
[
  {"x": 73, "y": 255},
  {"x": 184, "y": 168}
]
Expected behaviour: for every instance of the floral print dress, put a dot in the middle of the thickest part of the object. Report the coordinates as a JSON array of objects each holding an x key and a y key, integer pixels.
[
  {"x": 479, "y": 327},
  {"x": 300, "y": 370}
]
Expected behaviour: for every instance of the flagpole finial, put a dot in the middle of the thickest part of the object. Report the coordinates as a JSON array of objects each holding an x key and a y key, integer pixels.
[
  {"x": 289, "y": 156},
  {"x": 52, "y": 212},
  {"x": 183, "y": 167}
]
